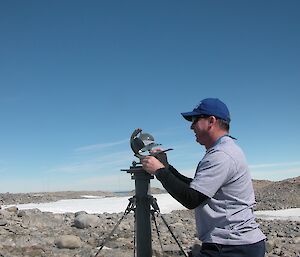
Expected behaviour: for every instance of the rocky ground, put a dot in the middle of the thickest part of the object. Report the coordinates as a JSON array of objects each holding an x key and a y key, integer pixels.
[{"x": 32, "y": 233}]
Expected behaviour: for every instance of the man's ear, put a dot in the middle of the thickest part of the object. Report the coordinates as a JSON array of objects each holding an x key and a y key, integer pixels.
[{"x": 212, "y": 120}]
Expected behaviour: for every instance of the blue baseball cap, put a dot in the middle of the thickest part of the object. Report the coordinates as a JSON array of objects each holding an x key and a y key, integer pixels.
[{"x": 209, "y": 106}]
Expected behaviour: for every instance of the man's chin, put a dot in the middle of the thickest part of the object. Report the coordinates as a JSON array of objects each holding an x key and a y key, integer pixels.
[{"x": 198, "y": 141}]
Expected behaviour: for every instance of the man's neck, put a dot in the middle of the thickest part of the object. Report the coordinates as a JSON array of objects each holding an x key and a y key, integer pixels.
[{"x": 215, "y": 137}]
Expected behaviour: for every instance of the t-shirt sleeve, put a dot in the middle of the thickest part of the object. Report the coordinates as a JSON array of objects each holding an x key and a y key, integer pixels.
[{"x": 212, "y": 172}]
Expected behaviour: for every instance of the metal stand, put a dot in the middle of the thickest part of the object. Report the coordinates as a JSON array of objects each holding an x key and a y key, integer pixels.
[
  {"x": 142, "y": 210},
  {"x": 141, "y": 204}
]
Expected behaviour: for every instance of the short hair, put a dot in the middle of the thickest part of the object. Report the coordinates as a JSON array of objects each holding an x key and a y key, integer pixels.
[{"x": 223, "y": 124}]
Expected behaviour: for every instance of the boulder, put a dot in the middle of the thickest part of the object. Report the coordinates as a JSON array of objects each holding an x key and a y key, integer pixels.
[
  {"x": 68, "y": 241},
  {"x": 80, "y": 213},
  {"x": 86, "y": 221},
  {"x": 3, "y": 222},
  {"x": 13, "y": 209},
  {"x": 296, "y": 240}
]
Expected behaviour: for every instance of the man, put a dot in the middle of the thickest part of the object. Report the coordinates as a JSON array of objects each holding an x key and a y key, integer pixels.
[{"x": 221, "y": 191}]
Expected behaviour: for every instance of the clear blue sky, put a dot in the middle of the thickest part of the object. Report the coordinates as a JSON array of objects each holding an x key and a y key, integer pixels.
[{"x": 77, "y": 77}]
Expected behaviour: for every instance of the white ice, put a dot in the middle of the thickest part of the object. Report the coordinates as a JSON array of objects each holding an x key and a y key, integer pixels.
[
  {"x": 118, "y": 204},
  {"x": 286, "y": 214},
  {"x": 99, "y": 205}
]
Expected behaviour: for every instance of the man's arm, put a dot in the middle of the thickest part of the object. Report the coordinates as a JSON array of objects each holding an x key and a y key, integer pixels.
[
  {"x": 162, "y": 157},
  {"x": 178, "y": 187},
  {"x": 178, "y": 175},
  {"x": 175, "y": 183}
]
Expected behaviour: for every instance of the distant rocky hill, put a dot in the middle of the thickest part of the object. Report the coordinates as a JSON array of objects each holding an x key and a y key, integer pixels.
[
  {"x": 41, "y": 197},
  {"x": 153, "y": 190},
  {"x": 277, "y": 195}
]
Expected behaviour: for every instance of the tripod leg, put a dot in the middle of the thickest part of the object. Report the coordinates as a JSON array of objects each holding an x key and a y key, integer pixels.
[
  {"x": 134, "y": 241},
  {"x": 129, "y": 208},
  {"x": 156, "y": 227},
  {"x": 170, "y": 230},
  {"x": 156, "y": 209}
]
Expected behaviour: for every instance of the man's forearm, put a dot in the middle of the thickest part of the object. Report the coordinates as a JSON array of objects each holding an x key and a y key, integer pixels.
[
  {"x": 183, "y": 178},
  {"x": 178, "y": 187}
]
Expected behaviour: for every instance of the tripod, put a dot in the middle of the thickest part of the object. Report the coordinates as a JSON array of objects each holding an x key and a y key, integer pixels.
[{"x": 143, "y": 206}]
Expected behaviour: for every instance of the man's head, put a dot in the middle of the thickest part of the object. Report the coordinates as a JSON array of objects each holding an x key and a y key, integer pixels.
[
  {"x": 210, "y": 120},
  {"x": 209, "y": 107}
]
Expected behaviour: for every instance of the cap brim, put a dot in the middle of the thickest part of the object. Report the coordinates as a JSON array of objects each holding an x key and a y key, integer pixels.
[{"x": 188, "y": 115}]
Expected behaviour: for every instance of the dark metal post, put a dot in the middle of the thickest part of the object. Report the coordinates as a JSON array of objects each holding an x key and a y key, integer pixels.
[{"x": 142, "y": 212}]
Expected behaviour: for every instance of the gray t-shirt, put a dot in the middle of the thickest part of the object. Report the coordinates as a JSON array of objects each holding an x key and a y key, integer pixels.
[{"x": 227, "y": 216}]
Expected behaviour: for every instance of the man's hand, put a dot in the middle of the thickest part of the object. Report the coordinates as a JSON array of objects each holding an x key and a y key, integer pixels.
[
  {"x": 151, "y": 164},
  {"x": 159, "y": 154}
]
